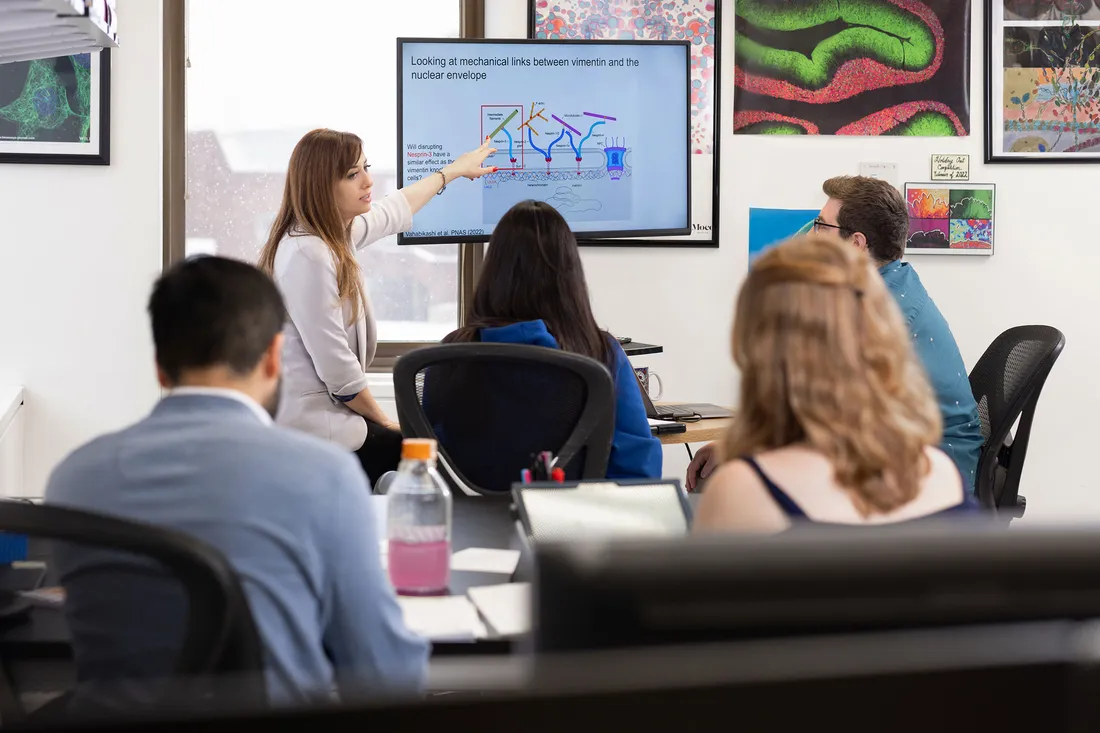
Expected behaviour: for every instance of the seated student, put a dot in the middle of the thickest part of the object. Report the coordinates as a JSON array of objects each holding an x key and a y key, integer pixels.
[
  {"x": 532, "y": 291},
  {"x": 290, "y": 512},
  {"x": 871, "y": 215},
  {"x": 837, "y": 423}
]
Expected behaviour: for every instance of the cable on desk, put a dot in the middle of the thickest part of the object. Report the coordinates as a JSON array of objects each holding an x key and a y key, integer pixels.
[{"x": 690, "y": 456}]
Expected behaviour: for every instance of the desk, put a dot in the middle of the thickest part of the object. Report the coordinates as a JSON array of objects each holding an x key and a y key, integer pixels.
[
  {"x": 637, "y": 348},
  {"x": 478, "y": 522},
  {"x": 701, "y": 431}
]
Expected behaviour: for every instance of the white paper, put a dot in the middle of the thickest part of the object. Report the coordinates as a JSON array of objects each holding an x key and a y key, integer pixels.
[
  {"x": 442, "y": 618},
  {"x": 484, "y": 560},
  {"x": 379, "y": 504},
  {"x": 655, "y": 425},
  {"x": 886, "y": 171},
  {"x": 506, "y": 607}
]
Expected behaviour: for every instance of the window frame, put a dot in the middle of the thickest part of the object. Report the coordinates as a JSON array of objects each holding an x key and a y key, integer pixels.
[{"x": 174, "y": 133}]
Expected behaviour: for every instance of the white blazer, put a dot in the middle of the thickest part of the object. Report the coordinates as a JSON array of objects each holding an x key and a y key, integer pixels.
[{"x": 324, "y": 354}]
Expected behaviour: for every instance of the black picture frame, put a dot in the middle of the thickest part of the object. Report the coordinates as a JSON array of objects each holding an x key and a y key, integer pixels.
[
  {"x": 994, "y": 63},
  {"x": 99, "y": 156},
  {"x": 713, "y": 240}
]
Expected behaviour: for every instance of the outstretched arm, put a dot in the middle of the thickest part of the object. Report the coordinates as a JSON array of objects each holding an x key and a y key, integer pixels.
[{"x": 468, "y": 165}]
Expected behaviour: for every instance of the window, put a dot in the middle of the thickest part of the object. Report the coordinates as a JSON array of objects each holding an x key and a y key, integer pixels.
[{"x": 259, "y": 76}]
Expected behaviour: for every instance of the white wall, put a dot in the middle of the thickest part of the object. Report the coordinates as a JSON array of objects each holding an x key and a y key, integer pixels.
[
  {"x": 1043, "y": 272},
  {"x": 79, "y": 249}
]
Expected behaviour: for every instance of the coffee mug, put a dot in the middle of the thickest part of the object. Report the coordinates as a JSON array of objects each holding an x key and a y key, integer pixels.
[{"x": 644, "y": 375}]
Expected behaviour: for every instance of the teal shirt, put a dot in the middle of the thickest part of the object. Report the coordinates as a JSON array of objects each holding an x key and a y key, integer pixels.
[{"x": 936, "y": 348}]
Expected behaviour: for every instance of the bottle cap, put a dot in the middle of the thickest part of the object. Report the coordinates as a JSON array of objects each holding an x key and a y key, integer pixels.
[{"x": 418, "y": 449}]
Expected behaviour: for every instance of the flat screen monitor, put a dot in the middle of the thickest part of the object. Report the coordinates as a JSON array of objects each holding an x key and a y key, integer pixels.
[{"x": 598, "y": 129}]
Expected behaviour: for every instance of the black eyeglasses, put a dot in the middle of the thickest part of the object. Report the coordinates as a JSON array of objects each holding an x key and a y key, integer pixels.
[{"x": 818, "y": 224}]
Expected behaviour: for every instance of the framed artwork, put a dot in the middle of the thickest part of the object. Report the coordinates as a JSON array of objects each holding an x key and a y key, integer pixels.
[
  {"x": 56, "y": 110},
  {"x": 874, "y": 67},
  {"x": 950, "y": 218},
  {"x": 1042, "y": 84},
  {"x": 696, "y": 21}
]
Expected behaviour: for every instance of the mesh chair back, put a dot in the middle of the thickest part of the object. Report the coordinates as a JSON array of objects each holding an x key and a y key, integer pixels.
[
  {"x": 492, "y": 407},
  {"x": 1006, "y": 383},
  {"x": 602, "y": 510},
  {"x": 158, "y": 620}
]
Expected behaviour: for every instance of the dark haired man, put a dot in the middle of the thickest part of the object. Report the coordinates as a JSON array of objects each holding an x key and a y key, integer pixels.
[
  {"x": 291, "y": 513},
  {"x": 871, "y": 214}
]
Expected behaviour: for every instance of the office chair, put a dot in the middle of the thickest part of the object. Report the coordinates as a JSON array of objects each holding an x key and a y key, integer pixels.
[
  {"x": 492, "y": 407},
  {"x": 1006, "y": 383},
  {"x": 218, "y": 665}
]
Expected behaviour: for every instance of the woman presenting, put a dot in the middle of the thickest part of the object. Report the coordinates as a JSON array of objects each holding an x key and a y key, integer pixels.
[{"x": 330, "y": 338}]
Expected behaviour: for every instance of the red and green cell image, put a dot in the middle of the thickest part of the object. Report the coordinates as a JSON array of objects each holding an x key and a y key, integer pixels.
[{"x": 852, "y": 67}]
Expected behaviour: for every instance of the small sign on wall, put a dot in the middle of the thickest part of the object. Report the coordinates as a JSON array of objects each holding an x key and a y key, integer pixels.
[
  {"x": 950, "y": 167},
  {"x": 885, "y": 171}
]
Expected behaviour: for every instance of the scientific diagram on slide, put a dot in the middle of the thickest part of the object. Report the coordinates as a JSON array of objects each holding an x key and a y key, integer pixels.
[{"x": 574, "y": 158}]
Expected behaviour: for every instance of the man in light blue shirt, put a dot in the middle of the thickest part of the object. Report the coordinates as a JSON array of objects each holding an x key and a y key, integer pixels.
[
  {"x": 872, "y": 214},
  {"x": 291, "y": 513}
]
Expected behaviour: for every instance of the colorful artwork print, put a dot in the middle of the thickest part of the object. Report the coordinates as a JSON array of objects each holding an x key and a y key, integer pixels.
[
  {"x": 1043, "y": 85},
  {"x": 950, "y": 218},
  {"x": 675, "y": 20},
  {"x": 971, "y": 234},
  {"x": 852, "y": 67}
]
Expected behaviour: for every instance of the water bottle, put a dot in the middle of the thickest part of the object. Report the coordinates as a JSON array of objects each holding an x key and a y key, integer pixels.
[{"x": 418, "y": 523}]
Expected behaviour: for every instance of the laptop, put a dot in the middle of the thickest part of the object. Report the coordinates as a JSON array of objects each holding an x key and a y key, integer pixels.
[
  {"x": 686, "y": 412},
  {"x": 549, "y": 512}
]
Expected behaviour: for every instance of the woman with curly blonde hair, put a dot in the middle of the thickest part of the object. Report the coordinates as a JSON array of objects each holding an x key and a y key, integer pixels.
[{"x": 837, "y": 423}]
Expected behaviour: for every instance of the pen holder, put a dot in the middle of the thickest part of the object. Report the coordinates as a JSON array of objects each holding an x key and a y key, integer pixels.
[{"x": 542, "y": 468}]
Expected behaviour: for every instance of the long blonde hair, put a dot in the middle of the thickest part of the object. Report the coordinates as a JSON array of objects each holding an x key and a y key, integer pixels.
[
  {"x": 825, "y": 359},
  {"x": 320, "y": 160}
]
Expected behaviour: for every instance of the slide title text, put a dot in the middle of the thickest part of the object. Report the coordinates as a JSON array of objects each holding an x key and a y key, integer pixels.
[{"x": 446, "y": 65}]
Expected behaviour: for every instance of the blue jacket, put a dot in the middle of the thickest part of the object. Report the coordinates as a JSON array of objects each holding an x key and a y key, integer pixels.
[
  {"x": 936, "y": 348},
  {"x": 635, "y": 452}
]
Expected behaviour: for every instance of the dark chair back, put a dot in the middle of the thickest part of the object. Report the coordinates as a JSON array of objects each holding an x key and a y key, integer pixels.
[
  {"x": 491, "y": 407},
  {"x": 132, "y": 573},
  {"x": 1006, "y": 383}
]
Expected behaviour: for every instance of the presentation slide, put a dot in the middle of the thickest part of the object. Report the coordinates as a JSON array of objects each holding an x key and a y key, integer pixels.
[{"x": 599, "y": 130}]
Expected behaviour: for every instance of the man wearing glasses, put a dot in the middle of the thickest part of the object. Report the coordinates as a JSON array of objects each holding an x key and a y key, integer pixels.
[{"x": 871, "y": 214}]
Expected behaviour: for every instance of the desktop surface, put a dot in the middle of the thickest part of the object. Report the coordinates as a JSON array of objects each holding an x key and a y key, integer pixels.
[
  {"x": 44, "y": 634},
  {"x": 698, "y": 431}
]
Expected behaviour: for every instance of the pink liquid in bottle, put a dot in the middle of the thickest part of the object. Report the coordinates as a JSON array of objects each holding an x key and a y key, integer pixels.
[{"x": 420, "y": 568}]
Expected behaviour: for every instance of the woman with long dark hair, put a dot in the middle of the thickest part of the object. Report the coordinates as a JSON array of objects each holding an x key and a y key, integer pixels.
[{"x": 532, "y": 291}]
